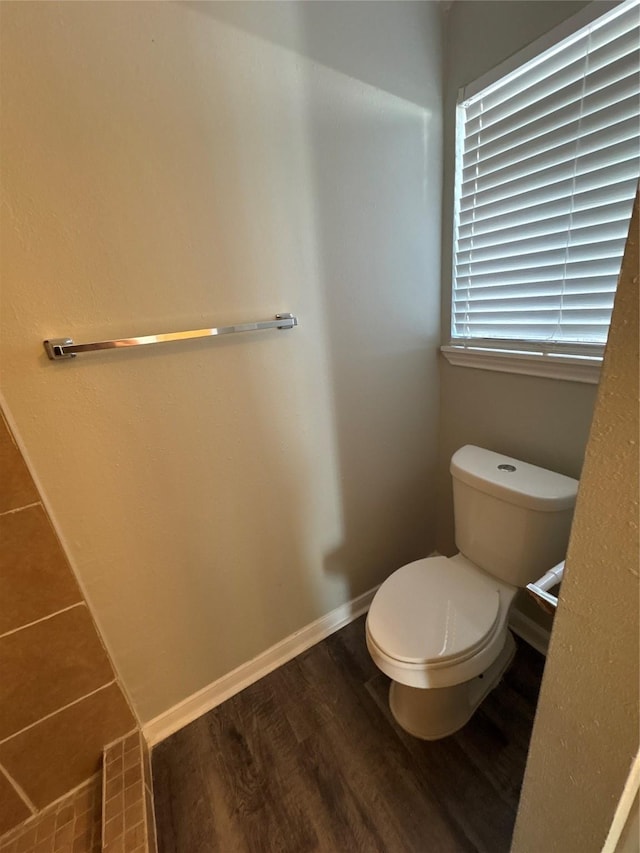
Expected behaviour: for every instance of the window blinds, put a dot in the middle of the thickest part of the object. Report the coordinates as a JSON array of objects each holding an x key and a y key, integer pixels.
[{"x": 547, "y": 168}]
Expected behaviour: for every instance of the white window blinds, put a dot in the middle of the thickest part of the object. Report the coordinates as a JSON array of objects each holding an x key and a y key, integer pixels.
[{"x": 547, "y": 168}]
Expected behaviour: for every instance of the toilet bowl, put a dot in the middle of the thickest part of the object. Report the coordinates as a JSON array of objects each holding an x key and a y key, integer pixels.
[{"x": 438, "y": 626}]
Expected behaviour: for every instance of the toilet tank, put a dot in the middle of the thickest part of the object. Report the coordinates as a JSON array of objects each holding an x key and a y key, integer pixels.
[{"x": 512, "y": 519}]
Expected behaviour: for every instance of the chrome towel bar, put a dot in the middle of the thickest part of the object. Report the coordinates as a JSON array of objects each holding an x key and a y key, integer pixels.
[{"x": 58, "y": 348}]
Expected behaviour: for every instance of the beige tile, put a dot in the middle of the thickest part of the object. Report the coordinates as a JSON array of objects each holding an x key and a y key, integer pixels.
[
  {"x": 46, "y": 826},
  {"x": 84, "y": 799},
  {"x": 27, "y": 839},
  {"x": 16, "y": 486},
  {"x": 134, "y": 815},
  {"x": 87, "y": 821},
  {"x": 131, "y": 742},
  {"x": 83, "y": 824},
  {"x": 114, "y": 767},
  {"x": 133, "y": 795},
  {"x": 134, "y": 837},
  {"x": 113, "y": 753},
  {"x": 113, "y": 829},
  {"x": 48, "y": 665},
  {"x": 134, "y": 774},
  {"x": 57, "y": 827},
  {"x": 113, "y": 787},
  {"x": 63, "y": 838},
  {"x": 24, "y": 834},
  {"x": 12, "y": 808},
  {"x": 35, "y": 577},
  {"x": 65, "y": 815},
  {"x": 62, "y": 751},
  {"x": 131, "y": 759}
]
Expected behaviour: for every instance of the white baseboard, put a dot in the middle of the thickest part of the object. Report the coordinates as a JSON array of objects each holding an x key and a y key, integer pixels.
[
  {"x": 214, "y": 694},
  {"x": 529, "y": 631}
]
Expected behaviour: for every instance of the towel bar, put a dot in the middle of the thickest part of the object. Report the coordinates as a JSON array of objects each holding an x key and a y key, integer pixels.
[{"x": 58, "y": 348}]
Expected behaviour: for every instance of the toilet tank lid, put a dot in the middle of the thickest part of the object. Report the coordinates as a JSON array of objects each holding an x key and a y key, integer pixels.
[{"x": 512, "y": 480}]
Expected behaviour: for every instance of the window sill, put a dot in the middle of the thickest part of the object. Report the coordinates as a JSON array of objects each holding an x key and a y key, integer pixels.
[{"x": 550, "y": 365}]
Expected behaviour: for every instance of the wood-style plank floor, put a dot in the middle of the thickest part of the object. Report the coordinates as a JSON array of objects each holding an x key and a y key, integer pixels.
[{"x": 309, "y": 759}]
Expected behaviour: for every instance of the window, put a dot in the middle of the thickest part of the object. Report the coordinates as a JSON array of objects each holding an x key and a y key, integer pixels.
[{"x": 547, "y": 168}]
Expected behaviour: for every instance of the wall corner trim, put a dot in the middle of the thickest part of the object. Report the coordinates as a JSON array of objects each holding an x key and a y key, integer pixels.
[{"x": 214, "y": 694}]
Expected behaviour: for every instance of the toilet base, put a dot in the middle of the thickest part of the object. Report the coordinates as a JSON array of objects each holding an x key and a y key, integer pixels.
[{"x": 432, "y": 713}]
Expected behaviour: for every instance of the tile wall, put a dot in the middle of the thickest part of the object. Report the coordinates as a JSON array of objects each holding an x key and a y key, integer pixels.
[
  {"x": 128, "y": 824},
  {"x": 60, "y": 701},
  {"x": 72, "y": 825}
]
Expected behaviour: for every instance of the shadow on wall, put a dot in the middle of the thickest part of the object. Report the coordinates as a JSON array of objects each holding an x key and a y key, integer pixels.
[
  {"x": 380, "y": 244},
  {"x": 381, "y": 333},
  {"x": 371, "y": 129}
]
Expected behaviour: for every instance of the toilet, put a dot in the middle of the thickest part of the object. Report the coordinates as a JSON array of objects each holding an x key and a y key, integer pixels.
[{"x": 438, "y": 626}]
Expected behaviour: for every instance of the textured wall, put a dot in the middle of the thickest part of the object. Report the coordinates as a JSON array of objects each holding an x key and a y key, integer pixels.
[
  {"x": 173, "y": 165},
  {"x": 60, "y": 701},
  {"x": 585, "y": 735},
  {"x": 542, "y": 421}
]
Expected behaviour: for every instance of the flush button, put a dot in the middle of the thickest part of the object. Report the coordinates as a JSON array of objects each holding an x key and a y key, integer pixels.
[{"x": 506, "y": 467}]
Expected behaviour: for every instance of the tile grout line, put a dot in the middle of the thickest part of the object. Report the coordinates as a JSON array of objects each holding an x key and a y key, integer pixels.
[
  {"x": 19, "y": 790},
  {"x": 43, "y": 619},
  {"x": 20, "y": 508},
  {"x": 58, "y": 711}
]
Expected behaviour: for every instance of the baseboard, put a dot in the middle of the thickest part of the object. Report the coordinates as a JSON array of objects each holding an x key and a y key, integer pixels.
[
  {"x": 529, "y": 631},
  {"x": 214, "y": 694}
]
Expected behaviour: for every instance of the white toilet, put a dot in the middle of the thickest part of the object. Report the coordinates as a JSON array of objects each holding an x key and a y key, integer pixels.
[{"x": 438, "y": 627}]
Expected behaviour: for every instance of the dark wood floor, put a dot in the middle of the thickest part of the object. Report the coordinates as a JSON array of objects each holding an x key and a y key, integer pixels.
[{"x": 309, "y": 759}]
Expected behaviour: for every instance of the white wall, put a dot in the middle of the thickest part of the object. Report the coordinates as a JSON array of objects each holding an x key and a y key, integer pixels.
[{"x": 171, "y": 166}]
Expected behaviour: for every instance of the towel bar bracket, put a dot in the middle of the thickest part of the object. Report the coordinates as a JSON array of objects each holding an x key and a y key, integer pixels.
[{"x": 55, "y": 348}]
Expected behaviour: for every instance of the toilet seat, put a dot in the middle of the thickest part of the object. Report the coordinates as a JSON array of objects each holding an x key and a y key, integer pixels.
[
  {"x": 438, "y": 621},
  {"x": 434, "y": 611}
]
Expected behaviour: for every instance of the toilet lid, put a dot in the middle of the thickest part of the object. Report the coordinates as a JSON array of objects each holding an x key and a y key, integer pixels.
[{"x": 434, "y": 610}]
